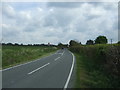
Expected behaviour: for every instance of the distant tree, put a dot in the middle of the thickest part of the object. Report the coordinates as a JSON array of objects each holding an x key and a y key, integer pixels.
[
  {"x": 80, "y": 43},
  {"x": 42, "y": 45},
  {"x": 60, "y": 44},
  {"x": 89, "y": 42},
  {"x": 3, "y": 44},
  {"x": 101, "y": 40},
  {"x": 29, "y": 44},
  {"x": 9, "y": 44},
  {"x": 16, "y": 44},
  {"x": 65, "y": 45},
  {"x": 118, "y": 42},
  {"x": 21, "y": 44},
  {"x": 73, "y": 43}
]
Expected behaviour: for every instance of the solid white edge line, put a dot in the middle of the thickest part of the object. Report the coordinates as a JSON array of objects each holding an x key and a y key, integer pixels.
[
  {"x": 38, "y": 68},
  {"x": 25, "y": 63},
  {"x": 68, "y": 79}
]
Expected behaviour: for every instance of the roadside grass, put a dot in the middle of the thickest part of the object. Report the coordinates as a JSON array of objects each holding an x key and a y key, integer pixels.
[
  {"x": 98, "y": 66},
  {"x": 89, "y": 75},
  {"x": 14, "y": 55}
]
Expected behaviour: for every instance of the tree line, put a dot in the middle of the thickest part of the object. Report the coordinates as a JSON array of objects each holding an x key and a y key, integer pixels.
[
  {"x": 98, "y": 40},
  {"x": 16, "y": 44}
]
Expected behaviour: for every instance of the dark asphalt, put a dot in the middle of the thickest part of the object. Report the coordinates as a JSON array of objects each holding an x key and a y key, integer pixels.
[{"x": 48, "y": 72}]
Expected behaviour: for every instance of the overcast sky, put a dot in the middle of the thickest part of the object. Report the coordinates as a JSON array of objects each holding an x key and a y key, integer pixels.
[{"x": 29, "y": 22}]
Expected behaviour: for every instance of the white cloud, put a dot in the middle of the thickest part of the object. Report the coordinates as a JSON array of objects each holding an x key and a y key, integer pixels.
[
  {"x": 25, "y": 14},
  {"x": 40, "y": 9},
  {"x": 58, "y": 23},
  {"x": 8, "y": 11}
]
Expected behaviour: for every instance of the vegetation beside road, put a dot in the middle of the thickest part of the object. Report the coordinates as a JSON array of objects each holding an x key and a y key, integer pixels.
[
  {"x": 97, "y": 62},
  {"x": 13, "y": 54},
  {"x": 98, "y": 66}
]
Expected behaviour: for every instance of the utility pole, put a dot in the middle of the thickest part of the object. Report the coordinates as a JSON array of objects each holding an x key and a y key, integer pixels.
[
  {"x": 111, "y": 41},
  {"x": 48, "y": 44}
]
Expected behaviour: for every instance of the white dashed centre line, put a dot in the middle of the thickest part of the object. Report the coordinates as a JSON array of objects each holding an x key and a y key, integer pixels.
[
  {"x": 57, "y": 58},
  {"x": 38, "y": 68},
  {"x": 62, "y": 53}
]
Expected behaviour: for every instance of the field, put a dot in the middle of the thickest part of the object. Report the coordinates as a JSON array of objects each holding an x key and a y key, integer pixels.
[
  {"x": 98, "y": 66},
  {"x": 13, "y": 55}
]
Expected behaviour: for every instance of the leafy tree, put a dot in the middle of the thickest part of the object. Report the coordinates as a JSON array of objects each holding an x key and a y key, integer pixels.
[
  {"x": 21, "y": 44},
  {"x": 60, "y": 44},
  {"x": 9, "y": 44},
  {"x": 80, "y": 43},
  {"x": 73, "y": 43},
  {"x": 118, "y": 42},
  {"x": 16, "y": 44},
  {"x": 89, "y": 42},
  {"x": 101, "y": 40}
]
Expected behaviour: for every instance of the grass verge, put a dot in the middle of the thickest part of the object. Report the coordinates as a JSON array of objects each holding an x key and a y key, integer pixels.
[
  {"x": 89, "y": 75},
  {"x": 14, "y": 55}
]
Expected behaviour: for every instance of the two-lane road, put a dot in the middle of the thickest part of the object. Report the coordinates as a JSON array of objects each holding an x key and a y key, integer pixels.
[{"x": 53, "y": 71}]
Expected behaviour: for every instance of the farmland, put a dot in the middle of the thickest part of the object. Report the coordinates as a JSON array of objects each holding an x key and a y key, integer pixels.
[{"x": 13, "y": 55}]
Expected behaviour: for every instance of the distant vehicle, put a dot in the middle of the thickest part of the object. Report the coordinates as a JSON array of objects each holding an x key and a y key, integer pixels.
[{"x": 62, "y": 48}]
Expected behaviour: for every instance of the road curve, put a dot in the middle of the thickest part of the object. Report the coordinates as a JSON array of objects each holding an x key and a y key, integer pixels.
[{"x": 53, "y": 71}]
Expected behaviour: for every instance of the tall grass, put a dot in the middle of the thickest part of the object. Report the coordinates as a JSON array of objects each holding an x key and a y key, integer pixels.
[
  {"x": 12, "y": 55},
  {"x": 103, "y": 60},
  {"x": 88, "y": 75}
]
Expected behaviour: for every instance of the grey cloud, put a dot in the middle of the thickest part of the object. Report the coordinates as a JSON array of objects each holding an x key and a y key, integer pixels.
[
  {"x": 9, "y": 32},
  {"x": 49, "y": 21},
  {"x": 90, "y": 17},
  {"x": 8, "y": 11},
  {"x": 63, "y": 22},
  {"x": 64, "y": 4},
  {"x": 59, "y": 18}
]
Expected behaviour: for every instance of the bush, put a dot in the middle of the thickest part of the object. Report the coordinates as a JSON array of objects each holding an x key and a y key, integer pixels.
[
  {"x": 101, "y": 40},
  {"x": 102, "y": 55}
]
